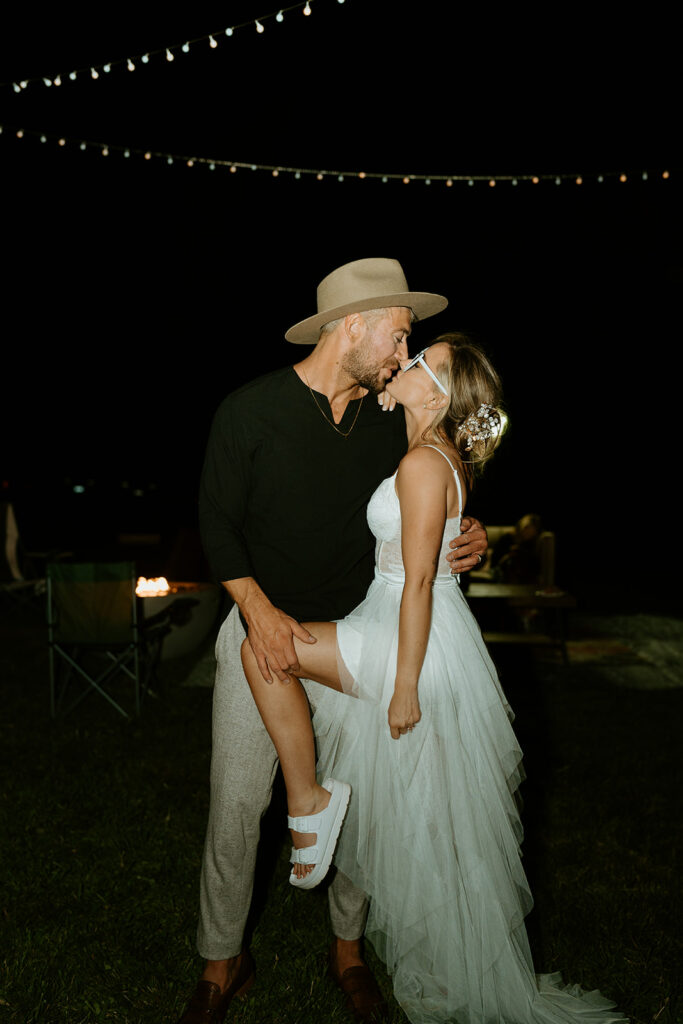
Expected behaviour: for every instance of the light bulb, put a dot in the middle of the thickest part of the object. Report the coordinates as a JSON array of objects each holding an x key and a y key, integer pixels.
[
  {"x": 279, "y": 16},
  {"x": 307, "y": 9},
  {"x": 145, "y": 58},
  {"x": 259, "y": 27},
  {"x": 169, "y": 55},
  {"x": 212, "y": 43},
  {"x": 130, "y": 65}
]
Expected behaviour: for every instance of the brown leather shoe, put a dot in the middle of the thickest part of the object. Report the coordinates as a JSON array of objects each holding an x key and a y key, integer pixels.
[
  {"x": 208, "y": 1006},
  {"x": 362, "y": 994}
]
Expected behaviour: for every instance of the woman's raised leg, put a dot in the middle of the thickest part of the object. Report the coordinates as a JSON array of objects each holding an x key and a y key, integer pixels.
[{"x": 286, "y": 715}]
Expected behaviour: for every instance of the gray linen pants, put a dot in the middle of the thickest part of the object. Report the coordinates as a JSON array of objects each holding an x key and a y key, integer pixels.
[{"x": 243, "y": 766}]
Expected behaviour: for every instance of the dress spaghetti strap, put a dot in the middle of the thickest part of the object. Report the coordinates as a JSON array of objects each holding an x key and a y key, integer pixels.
[{"x": 455, "y": 473}]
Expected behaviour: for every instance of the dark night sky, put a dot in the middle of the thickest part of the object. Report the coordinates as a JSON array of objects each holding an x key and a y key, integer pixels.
[{"x": 130, "y": 279}]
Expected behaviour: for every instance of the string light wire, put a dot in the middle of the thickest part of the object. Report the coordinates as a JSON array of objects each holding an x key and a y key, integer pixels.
[
  {"x": 211, "y": 38},
  {"x": 320, "y": 174}
]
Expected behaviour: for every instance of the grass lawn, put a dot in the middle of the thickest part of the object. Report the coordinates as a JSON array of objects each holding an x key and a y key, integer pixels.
[{"x": 102, "y": 824}]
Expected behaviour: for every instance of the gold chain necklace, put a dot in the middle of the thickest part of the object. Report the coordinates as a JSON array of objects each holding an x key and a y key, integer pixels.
[{"x": 324, "y": 414}]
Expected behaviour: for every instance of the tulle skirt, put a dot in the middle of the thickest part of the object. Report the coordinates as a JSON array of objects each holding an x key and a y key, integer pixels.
[{"x": 433, "y": 831}]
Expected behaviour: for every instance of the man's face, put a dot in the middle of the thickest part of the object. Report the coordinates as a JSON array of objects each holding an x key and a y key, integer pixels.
[{"x": 375, "y": 358}]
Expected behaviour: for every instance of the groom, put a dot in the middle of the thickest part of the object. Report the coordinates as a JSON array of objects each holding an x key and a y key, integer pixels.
[{"x": 292, "y": 459}]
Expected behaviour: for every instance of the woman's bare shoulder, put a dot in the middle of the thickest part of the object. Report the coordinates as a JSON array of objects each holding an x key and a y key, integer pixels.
[{"x": 423, "y": 463}]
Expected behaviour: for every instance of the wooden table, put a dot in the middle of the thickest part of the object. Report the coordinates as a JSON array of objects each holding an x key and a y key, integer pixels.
[{"x": 552, "y": 601}]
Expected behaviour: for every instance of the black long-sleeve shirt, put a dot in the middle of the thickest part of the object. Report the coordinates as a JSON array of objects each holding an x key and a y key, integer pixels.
[{"x": 283, "y": 495}]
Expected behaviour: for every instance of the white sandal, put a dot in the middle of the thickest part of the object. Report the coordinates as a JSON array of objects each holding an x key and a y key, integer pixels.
[{"x": 326, "y": 824}]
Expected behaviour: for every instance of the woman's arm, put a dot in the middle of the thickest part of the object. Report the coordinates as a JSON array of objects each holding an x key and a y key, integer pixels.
[{"x": 421, "y": 484}]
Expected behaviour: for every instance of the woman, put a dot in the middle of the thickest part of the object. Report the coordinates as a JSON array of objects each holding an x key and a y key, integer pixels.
[{"x": 432, "y": 830}]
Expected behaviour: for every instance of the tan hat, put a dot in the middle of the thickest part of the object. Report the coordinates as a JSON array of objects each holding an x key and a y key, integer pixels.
[{"x": 363, "y": 284}]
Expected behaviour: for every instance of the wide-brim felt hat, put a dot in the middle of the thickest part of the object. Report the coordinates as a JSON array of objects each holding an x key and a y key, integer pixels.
[{"x": 361, "y": 285}]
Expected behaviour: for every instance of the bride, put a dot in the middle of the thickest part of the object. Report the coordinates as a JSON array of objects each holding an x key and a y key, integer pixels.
[{"x": 429, "y": 760}]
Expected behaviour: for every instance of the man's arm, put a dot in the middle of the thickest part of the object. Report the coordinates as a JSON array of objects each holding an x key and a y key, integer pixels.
[
  {"x": 469, "y": 549},
  {"x": 223, "y": 508},
  {"x": 270, "y": 630}
]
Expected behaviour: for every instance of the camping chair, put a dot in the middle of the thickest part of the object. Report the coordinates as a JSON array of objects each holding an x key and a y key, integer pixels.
[{"x": 93, "y": 633}]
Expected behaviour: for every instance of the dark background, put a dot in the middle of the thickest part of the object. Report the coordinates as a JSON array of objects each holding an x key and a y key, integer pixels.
[{"x": 136, "y": 294}]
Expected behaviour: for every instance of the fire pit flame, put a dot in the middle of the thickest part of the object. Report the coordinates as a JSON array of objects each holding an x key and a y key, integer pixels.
[{"x": 154, "y": 587}]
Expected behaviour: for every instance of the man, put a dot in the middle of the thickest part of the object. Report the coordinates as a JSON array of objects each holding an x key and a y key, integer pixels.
[{"x": 291, "y": 462}]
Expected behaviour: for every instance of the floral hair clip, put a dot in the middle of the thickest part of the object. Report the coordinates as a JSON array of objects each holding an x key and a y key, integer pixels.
[{"x": 481, "y": 425}]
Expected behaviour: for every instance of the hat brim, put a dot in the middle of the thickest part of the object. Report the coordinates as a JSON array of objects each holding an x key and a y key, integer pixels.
[{"x": 423, "y": 305}]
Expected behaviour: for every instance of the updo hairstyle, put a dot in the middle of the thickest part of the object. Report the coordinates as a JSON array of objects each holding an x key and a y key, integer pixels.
[{"x": 471, "y": 381}]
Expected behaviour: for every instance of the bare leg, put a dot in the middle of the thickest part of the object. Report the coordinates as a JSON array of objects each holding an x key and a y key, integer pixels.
[{"x": 287, "y": 717}]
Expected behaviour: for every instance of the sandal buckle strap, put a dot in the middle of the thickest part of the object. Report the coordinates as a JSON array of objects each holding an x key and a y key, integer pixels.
[
  {"x": 305, "y": 855},
  {"x": 306, "y": 823}
]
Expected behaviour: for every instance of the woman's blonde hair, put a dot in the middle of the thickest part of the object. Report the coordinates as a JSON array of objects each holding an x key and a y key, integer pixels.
[{"x": 471, "y": 381}]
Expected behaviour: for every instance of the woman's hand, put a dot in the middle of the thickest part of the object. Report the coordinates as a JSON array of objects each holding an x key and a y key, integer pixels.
[{"x": 404, "y": 712}]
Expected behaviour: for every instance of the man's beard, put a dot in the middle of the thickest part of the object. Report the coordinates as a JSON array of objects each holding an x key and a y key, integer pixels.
[{"x": 358, "y": 365}]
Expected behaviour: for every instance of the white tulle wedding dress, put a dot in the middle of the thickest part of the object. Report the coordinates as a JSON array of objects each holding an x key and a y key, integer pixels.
[{"x": 433, "y": 831}]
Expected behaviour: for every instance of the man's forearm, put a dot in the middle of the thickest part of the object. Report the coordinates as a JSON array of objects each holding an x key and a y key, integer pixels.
[{"x": 247, "y": 594}]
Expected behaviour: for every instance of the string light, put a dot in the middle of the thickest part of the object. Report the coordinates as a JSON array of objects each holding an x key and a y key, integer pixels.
[
  {"x": 129, "y": 62},
  {"x": 449, "y": 180}
]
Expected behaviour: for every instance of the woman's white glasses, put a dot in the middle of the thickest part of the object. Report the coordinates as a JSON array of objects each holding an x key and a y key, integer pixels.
[{"x": 420, "y": 358}]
